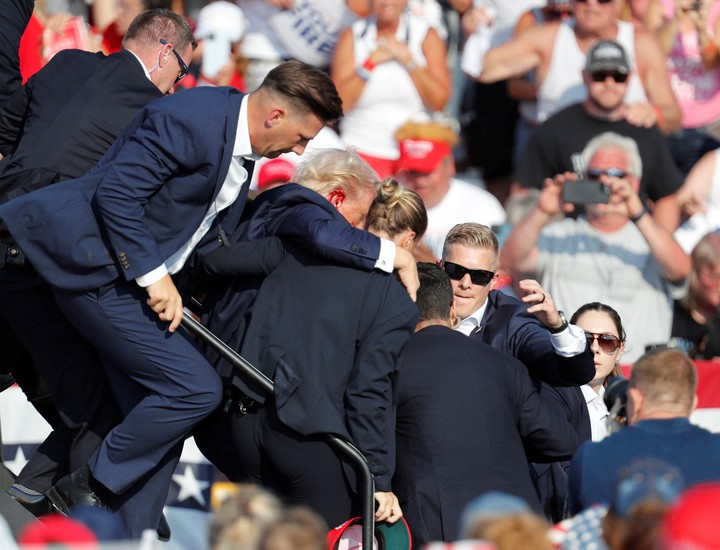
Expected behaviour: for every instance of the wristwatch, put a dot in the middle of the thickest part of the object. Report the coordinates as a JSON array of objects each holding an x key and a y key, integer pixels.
[{"x": 561, "y": 327}]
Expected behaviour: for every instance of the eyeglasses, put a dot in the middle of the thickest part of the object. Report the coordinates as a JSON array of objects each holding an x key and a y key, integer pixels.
[
  {"x": 617, "y": 76},
  {"x": 598, "y": 1},
  {"x": 609, "y": 343},
  {"x": 477, "y": 276},
  {"x": 183, "y": 66},
  {"x": 595, "y": 173}
]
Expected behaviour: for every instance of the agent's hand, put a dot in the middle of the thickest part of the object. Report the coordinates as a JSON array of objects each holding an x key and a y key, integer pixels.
[
  {"x": 388, "y": 507},
  {"x": 165, "y": 300},
  {"x": 543, "y": 307},
  {"x": 407, "y": 271}
]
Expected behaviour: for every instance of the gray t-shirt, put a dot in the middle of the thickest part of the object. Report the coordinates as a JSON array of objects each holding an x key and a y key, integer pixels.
[{"x": 578, "y": 264}]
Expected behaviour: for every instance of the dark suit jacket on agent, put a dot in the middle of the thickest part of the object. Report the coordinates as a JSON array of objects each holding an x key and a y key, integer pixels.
[
  {"x": 466, "y": 416},
  {"x": 506, "y": 325},
  {"x": 14, "y": 17},
  {"x": 57, "y": 127},
  {"x": 89, "y": 238},
  {"x": 329, "y": 337}
]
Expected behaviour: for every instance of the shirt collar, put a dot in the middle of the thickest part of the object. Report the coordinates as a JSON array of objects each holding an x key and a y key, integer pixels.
[
  {"x": 590, "y": 394},
  {"x": 475, "y": 317},
  {"x": 144, "y": 68},
  {"x": 242, "y": 146}
]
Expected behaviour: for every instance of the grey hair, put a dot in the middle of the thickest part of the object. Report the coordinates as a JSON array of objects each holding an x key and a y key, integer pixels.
[{"x": 611, "y": 140}]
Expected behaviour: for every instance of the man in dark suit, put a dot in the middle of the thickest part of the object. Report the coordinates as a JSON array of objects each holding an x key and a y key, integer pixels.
[
  {"x": 328, "y": 335},
  {"x": 531, "y": 329},
  {"x": 538, "y": 335},
  {"x": 54, "y": 128},
  {"x": 108, "y": 243},
  {"x": 467, "y": 414},
  {"x": 14, "y": 17}
]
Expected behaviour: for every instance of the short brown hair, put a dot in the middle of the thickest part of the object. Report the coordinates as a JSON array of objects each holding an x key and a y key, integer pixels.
[
  {"x": 666, "y": 378},
  {"x": 473, "y": 235},
  {"x": 307, "y": 88},
  {"x": 151, "y": 26}
]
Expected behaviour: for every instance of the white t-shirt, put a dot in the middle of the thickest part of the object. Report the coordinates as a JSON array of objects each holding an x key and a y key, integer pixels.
[{"x": 464, "y": 202}]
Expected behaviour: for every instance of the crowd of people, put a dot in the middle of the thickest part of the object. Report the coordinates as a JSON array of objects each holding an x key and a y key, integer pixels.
[{"x": 437, "y": 231}]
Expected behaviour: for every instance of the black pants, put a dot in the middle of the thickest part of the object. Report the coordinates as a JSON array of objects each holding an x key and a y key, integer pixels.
[
  {"x": 71, "y": 370},
  {"x": 304, "y": 470}
]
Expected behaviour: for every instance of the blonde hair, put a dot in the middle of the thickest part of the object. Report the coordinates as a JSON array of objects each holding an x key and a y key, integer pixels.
[
  {"x": 705, "y": 254},
  {"x": 242, "y": 518},
  {"x": 396, "y": 209},
  {"x": 473, "y": 235},
  {"x": 328, "y": 169}
]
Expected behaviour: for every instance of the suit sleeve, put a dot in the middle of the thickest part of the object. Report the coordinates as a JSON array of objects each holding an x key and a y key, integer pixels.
[
  {"x": 546, "y": 437},
  {"x": 369, "y": 396},
  {"x": 162, "y": 146},
  {"x": 532, "y": 345},
  {"x": 244, "y": 259},
  {"x": 12, "y": 114},
  {"x": 329, "y": 238}
]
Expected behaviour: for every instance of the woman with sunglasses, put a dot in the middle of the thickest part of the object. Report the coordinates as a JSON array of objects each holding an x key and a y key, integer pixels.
[{"x": 606, "y": 338}]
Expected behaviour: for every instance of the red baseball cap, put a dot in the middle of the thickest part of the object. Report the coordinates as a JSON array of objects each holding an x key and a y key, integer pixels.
[
  {"x": 421, "y": 155},
  {"x": 692, "y": 522},
  {"x": 275, "y": 171}
]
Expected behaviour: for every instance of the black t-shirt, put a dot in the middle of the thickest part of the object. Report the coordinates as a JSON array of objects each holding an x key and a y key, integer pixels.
[
  {"x": 686, "y": 332},
  {"x": 550, "y": 148}
]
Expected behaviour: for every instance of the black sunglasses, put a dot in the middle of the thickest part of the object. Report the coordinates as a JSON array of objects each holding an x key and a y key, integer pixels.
[
  {"x": 598, "y": 1},
  {"x": 183, "y": 66},
  {"x": 609, "y": 343},
  {"x": 595, "y": 173},
  {"x": 600, "y": 76},
  {"x": 477, "y": 276}
]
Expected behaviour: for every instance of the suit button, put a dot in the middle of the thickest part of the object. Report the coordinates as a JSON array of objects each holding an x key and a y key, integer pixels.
[{"x": 358, "y": 249}]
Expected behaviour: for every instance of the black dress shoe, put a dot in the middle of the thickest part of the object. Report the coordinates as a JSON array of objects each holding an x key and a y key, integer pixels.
[
  {"x": 163, "y": 530},
  {"x": 32, "y": 501},
  {"x": 74, "y": 490}
]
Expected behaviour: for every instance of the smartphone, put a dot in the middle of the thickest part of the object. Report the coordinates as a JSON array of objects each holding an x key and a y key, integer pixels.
[
  {"x": 216, "y": 54},
  {"x": 585, "y": 192}
]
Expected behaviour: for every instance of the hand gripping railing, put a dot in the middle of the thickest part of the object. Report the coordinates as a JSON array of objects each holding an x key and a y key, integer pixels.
[{"x": 254, "y": 376}]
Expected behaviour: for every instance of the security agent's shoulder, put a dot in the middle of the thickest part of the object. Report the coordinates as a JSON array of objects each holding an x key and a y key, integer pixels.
[
  {"x": 68, "y": 64},
  {"x": 199, "y": 103},
  {"x": 509, "y": 308}
]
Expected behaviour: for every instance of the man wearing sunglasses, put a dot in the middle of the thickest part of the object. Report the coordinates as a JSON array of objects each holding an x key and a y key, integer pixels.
[
  {"x": 551, "y": 147},
  {"x": 109, "y": 242},
  {"x": 56, "y": 127},
  {"x": 538, "y": 335},
  {"x": 616, "y": 253},
  {"x": 557, "y": 52}
]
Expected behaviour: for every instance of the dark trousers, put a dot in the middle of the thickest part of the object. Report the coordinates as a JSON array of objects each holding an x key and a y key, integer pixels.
[
  {"x": 259, "y": 448},
  {"x": 164, "y": 387},
  {"x": 71, "y": 370}
]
